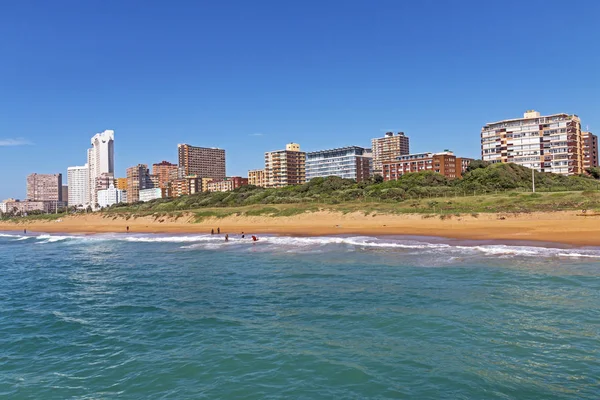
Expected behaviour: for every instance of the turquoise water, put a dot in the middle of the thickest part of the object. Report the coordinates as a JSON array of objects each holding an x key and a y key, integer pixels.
[{"x": 189, "y": 317}]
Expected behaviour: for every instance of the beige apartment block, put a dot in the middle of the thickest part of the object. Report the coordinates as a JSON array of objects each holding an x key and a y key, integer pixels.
[
  {"x": 388, "y": 148},
  {"x": 285, "y": 167},
  {"x": 547, "y": 143}
]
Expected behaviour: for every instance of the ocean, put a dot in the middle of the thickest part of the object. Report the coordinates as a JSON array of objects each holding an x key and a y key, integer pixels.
[{"x": 146, "y": 316}]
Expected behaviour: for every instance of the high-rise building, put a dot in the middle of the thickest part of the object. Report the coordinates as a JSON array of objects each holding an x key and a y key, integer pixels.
[
  {"x": 285, "y": 167},
  {"x": 590, "y": 150},
  {"x": 79, "y": 181},
  {"x": 388, "y": 148},
  {"x": 256, "y": 177},
  {"x": 350, "y": 162},
  {"x": 551, "y": 143},
  {"x": 101, "y": 159},
  {"x": 65, "y": 194},
  {"x": 163, "y": 171},
  {"x": 138, "y": 178},
  {"x": 445, "y": 163},
  {"x": 44, "y": 187},
  {"x": 202, "y": 161}
]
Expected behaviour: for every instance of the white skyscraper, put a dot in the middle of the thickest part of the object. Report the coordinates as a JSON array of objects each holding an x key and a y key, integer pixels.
[
  {"x": 101, "y": 159},
  {"x": 79, "y": 180}
]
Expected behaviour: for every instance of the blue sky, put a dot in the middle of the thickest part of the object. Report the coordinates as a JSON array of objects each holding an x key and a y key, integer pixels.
[{"x": 251, "y": 76}]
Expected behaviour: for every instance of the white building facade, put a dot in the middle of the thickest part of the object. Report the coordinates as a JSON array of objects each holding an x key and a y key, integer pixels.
[
  {"x": 151, "y": 194},
  {"x": 101, "y": 160},
  {"x": 79, "y": 180},
  {"x": 110, "y": 196}
]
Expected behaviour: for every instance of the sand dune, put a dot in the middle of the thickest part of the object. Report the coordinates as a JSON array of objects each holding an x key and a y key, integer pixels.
[{"x": 564, "y": 227}]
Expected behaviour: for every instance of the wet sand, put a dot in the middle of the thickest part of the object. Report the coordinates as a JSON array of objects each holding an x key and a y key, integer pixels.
[{"x": 567, "y": 227}]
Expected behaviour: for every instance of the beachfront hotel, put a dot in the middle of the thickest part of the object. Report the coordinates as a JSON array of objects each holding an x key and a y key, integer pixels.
[
  {"x": 445, "y": 163},
  {"x": 590, "y": 150},
  {"x": 101, "y": 160},
  {"x": 109, "y": 196},
  {"x": 256, "y": 177},
  {"x": 285, "y": 167},
  {"x": 388, "y": 148},
  {"x": 203, "y": 162},
  {"x": 550, "y": 143},
  {"x": 44, "y": 187},
  {"x": 350, "y": 162},
  {"x": 78, "y": 179}
]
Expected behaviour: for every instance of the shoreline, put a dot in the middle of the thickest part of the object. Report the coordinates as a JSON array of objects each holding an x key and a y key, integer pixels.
[{"x": 564, "y": 227}]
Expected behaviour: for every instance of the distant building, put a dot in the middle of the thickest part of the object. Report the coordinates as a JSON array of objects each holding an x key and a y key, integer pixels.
[
  {"x": 256, "y": 177},
  {"x": 590, "y": 150},
  {"x": 101, "y": 160},
  {"x": 65, "y": 194},
  {"x": 185, "y": 186},
  {"x": 163, "y": 172},
  {"x": 23, "y": 207},
  {"x": 227, "y": 185},
  {"x": 138, "y": 178},
  {"x": 204, "y": 184},
  {"x": 44, "y": 187},
  {"x": 108, "y": 197},
  {"x": 202, "y": 161},
  {"x": 79, "y": 180},
  {"x": 388, "y": 148},
  {"x": 445, "y": 163},
  {"x": 285, "y": 167},
  {"x": 104, "y": 181},
  {"x": 152, "y": 194},
  {"x": 350, "y": 162},
  {"x": 121, "y": 183},
  {"x": 551, "y": 143}
]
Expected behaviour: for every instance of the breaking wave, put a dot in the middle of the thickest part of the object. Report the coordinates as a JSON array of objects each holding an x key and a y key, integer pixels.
[{"x": 322, "y": 243}]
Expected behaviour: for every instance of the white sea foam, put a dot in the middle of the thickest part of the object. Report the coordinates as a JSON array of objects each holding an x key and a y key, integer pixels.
[{"x": 322, "y": 243}]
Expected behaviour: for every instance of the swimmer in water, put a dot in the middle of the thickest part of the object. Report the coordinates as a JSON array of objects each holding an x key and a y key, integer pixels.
[
  {"x": 243, "y": 236},
  {"x": 226, "y": 237}
]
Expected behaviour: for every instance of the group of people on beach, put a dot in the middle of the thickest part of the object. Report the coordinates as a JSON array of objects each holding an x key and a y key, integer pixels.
[{"x": 243, "y": 235}]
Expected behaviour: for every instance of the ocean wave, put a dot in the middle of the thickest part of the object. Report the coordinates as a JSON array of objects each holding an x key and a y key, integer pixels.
[{"x": 320, "y": 243}]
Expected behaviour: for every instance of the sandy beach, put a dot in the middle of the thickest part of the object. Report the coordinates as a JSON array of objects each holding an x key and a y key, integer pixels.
[{"x": 567, "y": 227}]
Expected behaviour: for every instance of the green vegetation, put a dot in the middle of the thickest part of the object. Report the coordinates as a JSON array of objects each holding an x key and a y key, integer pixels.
[
  {"x": 500, "y": 188},
  {"x": 481, "y": 179}
]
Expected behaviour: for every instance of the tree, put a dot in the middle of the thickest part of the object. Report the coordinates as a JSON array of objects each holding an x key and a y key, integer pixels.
[
  {"x": 594, "y": 172},
  {"x": 475, "y": 164}
]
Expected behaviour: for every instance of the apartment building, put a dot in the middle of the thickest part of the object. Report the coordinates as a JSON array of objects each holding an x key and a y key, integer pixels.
[
  {"x": 163, "y": 171},
  {"x": 202, "y": 161},
  {"x": 104, "y": 181},
  {"x": 185, "y": 186},
  {"x": 445, "y": 163},
  {"x": 121, "y": 183},
  {"x": 152, "y": 194},
  {"x": 44, "y": 187},
  {"x": 285, "y": 167},
  {"x": 109, "y": 196},
  {"x": 550, "y": 143},
  {"x": 78, "y": 180},
  {"x": 226, "y": 185},
  {"x": 138, "y": 178},
  {"x": 23, "y": 207},
  {"x": 388, "y": 148},
  {"x": 65, "y": 194},
  {"x": 590, "y": 150},
  {"x": 350, "y": 162},
  {"x": 256, "y": 177}
]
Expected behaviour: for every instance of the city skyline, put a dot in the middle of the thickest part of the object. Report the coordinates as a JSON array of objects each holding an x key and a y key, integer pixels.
[{"x": 333, "y": 75}]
